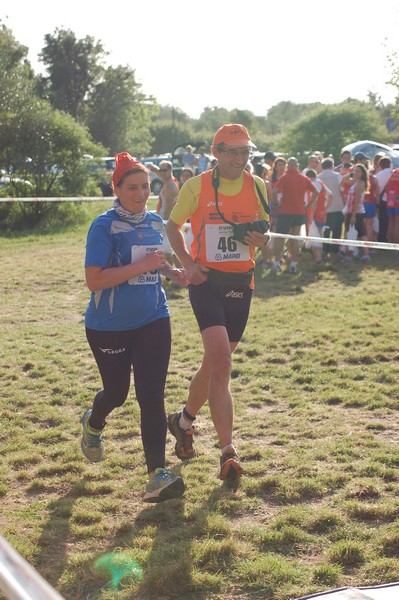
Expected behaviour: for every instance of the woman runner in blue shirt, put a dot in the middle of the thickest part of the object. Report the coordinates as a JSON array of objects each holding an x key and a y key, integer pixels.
[{"x": 127, "y": 321}]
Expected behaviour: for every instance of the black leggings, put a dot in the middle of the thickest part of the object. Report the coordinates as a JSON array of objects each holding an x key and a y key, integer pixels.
[{"x": 147, "y": 350}]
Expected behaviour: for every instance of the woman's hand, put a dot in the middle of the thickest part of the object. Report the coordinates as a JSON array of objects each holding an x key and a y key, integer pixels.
[
  {"x": 178, "y": 276},
  {"x": 153, "y": 261}
]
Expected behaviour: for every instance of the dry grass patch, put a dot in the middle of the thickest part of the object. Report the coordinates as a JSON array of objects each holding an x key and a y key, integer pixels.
[{"x": 316, "y": 391}]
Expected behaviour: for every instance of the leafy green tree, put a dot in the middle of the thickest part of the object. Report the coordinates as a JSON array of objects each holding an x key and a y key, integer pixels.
[
  {"x": 212, "y": 118},
  {"x": 118, "y": 114},
  {"x": 285, "y": 113},
  {"x": 73, "y": 68},
  {"x": 40, "y": 148},
  {"x": 173, "y": 113},
  {"x": 245, "y": 117},
  {"x": 167, "y": 135},
  {"x": 331, "y": 127},
  {"x": 45, "y": 147},
  {"x": 16, "y": 83}
]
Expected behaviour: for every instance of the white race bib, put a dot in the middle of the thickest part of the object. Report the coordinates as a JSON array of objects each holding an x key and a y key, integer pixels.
[
  {"x": 150, "y": 277},
  {"x": 221, "y": 246}
]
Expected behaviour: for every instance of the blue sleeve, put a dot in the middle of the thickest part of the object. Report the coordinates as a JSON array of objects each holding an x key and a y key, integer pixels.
[{"x": 98, "y": 245}]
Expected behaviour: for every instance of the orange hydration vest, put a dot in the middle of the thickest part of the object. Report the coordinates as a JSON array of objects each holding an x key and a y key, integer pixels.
[{"x": 213, "y": 244}]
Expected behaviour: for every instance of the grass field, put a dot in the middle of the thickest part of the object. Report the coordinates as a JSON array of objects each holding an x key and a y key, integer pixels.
[{"x": 316, "y": 389}]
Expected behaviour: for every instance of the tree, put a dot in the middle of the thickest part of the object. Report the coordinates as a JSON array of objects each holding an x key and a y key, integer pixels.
[
  {"x": 175, "y": 114},
  {"x": 73, "y": 66},
  {"x": 118, "y": 114},
  {"x": 245, "y": 117},
  {"x": 285, "y": 113},
  {"x": 331, "y": 127},
  {"x": 168, "y": 135},
  {"x": 212, "y": 118}
]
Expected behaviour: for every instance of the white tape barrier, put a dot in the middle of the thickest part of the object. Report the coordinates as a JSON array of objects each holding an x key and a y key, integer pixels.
[
  {"x": 186, "y": 229},
  {"x": 337, "y": 242},
  {"x": 19, "y": 580},
  {"x": 305, "y": 238},
  {"x": 63, "y": 199}
]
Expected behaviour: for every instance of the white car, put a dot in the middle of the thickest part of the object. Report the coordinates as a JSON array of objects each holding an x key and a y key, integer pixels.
[
  {"x": 6, "y": 179},
  {"x": 370, "y": 148}
]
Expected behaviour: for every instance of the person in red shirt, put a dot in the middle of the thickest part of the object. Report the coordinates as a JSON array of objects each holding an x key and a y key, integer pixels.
[
  {"x": 316, "y": 213},
  {"x": 289, "y": 193}
]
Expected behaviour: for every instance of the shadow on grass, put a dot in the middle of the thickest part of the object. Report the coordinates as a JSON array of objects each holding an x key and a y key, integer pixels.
[
  {"x": 54, "y": 540},
  {"x": 269, "y": 284},
  {"x": 169, "y": 569}
]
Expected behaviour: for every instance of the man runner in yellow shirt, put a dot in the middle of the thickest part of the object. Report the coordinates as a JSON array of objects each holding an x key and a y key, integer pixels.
[{"x": 229, "y": 218}]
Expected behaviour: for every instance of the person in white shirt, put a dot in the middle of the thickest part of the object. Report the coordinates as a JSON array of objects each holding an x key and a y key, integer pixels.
[{"x": 335, "y": 218}]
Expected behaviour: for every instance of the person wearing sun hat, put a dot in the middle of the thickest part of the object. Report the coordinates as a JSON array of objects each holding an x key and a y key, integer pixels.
[
  {"x": 189, "y": 158},
  {"x": 220, "y": 269},
  {"x": 127, "y": 321}
]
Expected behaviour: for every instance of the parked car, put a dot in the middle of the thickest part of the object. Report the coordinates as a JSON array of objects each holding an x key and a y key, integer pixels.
[
  {"x": 100, "y": 163},
  {"x": 370, "y": 148},
  {"x": 105, "y": 165},
  {"x": 6, "y": 179},
  {"x": 155, "y": 160}
]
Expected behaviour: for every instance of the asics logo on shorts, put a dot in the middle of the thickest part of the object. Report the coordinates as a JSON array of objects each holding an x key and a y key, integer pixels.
[
  {"x": 233, "y": 294},
  {"x": 112, "y": 351}
]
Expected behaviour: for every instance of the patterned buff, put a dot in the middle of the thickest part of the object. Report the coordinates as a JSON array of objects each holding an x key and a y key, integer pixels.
[{"x": 133, "y": 218}]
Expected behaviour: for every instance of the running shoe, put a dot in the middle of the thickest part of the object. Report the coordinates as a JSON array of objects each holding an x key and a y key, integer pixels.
[
  {"x": 276, "y": 268},
  {"x": 293, "y": 268},
  {"x": 165, "y": 485},
  {"x": 230, "y": 467},
  {"x": 265, "y": 265},
  {"x": 184, "y": 438},
  {"x": 92, "y": 443}
]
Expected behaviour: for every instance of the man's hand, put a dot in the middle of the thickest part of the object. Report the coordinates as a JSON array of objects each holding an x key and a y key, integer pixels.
[
  {"x": 196, "y": 273},
  {"x": 255, "y": 238}
]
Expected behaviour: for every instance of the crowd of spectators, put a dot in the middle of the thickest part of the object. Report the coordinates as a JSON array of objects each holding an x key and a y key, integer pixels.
[{"x": 356, "y": 199}]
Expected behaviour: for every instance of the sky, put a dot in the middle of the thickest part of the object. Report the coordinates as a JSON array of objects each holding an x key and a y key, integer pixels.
[{"x": 226, "y": 53}]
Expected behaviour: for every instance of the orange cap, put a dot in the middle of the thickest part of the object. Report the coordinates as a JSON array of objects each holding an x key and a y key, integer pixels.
[
  {"x": 234, "y": 135},
  {"x": 124, "y": 163}
]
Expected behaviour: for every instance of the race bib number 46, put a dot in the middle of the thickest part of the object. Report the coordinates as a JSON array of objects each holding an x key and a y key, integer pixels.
[
  {"x": 221, "y": 246},
  {"x": 150, "y": 277}
]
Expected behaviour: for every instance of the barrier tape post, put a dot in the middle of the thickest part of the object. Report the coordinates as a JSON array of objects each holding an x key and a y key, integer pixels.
[{"x": 19, "y": 580}]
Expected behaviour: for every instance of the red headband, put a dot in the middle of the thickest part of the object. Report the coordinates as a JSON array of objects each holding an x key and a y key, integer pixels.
[{"x": 124, "y": 163}]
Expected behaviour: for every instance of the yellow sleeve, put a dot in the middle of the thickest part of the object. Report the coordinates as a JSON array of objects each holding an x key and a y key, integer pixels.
[
  {"x": 262, "y": 186},
  {"x": 187, "y": 201}
]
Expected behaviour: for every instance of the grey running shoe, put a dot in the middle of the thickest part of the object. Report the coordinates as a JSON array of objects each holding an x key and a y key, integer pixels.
[
  {"x": 92, "y": 443},
  {"x": 276, "y": 268},
  {"x": 165, "y": 485}
]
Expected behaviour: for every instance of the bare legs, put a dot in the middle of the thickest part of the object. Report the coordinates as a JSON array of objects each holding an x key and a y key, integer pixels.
[{"x": 212, "y": 382}]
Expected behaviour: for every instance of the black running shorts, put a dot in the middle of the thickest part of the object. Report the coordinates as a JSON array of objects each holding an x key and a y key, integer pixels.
[{"x": 225, "y": 300}]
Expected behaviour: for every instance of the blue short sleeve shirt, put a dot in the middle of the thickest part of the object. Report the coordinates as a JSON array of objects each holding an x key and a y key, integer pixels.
[{"x": 113, "y": 242}]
